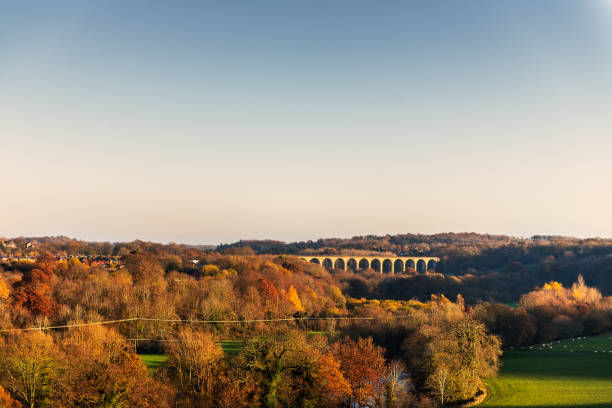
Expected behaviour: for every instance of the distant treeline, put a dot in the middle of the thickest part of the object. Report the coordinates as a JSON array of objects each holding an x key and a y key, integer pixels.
[
  {"x": 459, "y": 252},
  {"x": 504, "y": 285},
  {"x": 410, "y": 244},
  {"x": 481, "y": 267}
]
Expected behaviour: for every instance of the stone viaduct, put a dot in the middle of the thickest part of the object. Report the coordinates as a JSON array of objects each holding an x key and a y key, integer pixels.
[{"x": 382, "y": 264}]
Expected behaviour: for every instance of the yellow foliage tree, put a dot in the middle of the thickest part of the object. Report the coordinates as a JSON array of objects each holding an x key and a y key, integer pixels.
[
  {"x": 582, "y": 293},
  {"x": 124, "y": 277},
  {"x": 211, "y": 270},
  {"x": 4, "y": 290},
  {"x": 74, "y": 261},
  {"x": 553, "y": 285},
  {"x": 293, "y": 297}
]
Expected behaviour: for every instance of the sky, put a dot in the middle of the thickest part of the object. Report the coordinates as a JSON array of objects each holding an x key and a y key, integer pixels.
[{"x": 212, "y": 121}]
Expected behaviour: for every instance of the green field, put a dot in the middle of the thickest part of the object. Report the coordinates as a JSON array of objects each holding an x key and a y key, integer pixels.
[
  {"x": 320, "y": 333},
  {"x": 512, "y": 305},
  {"x": 155, "y": 361},
  {"x": 568, "y": 373},
  {"x": 231, "y": 347}
]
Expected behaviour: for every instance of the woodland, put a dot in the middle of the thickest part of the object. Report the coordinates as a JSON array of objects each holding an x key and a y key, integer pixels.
[{"x": 72, "y": 328}]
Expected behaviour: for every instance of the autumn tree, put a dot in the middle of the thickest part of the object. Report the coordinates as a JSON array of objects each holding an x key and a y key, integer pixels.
[
  {"x": 28, "y": 366},
  {"x": 337, "y": 386},
  {"x": 5, "y": 291},
  {"x": 362, "y": 364},
  {"x": 73, "y": 269},
  {"x": 6, "y": 400},
  {"x": 144, "y": 267},
  {"x": 567, "y": 312},
  {"x": 396, "y": 392},
  {"x": 515, "y": 326},
  {"x": 101, "y": 370},
  {"x": 292, "y": 296},
  {"x": 449, "y": 352},
  {"x": 269, "y": 294},
  {"x": 284, "y": 365},
  {"x": 34, "y": 290},
  {"x": 196, "y": 361}
]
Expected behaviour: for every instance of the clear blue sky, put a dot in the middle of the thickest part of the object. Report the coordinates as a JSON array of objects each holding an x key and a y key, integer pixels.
[{"x": 211, "y": 121}]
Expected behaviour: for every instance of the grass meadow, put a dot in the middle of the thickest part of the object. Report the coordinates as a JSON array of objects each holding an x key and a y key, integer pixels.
[
  {"x": 155, "y": 361},
  {"x": 568, "y": 373},
  {"x": 230, "y": 347}
]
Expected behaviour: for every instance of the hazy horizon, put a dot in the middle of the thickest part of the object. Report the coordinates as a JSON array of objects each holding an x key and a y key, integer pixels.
[
  {"x": 314, "y": 239},
  {"x": 210, "y": 122}
]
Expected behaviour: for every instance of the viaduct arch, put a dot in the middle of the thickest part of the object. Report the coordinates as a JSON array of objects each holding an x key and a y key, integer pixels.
[{"x": 381, "y": 264}]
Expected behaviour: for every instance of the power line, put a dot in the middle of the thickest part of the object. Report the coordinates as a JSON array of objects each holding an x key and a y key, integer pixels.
[
  {"x": 287, "y": 319},
  {"x": 247, "y": 321},
  {"x": 66, "y": 326}
]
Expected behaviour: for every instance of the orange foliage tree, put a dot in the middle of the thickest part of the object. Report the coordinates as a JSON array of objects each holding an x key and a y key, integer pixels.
[
  {"x": 100, "y": 369},
  {"x": 6, "y": 401},
  {"x": 34, "y": 290},
  {"x": 269, "y": 294},
  {"x": 337, "y": 385},
  {"x": 362, "y": 364}
]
